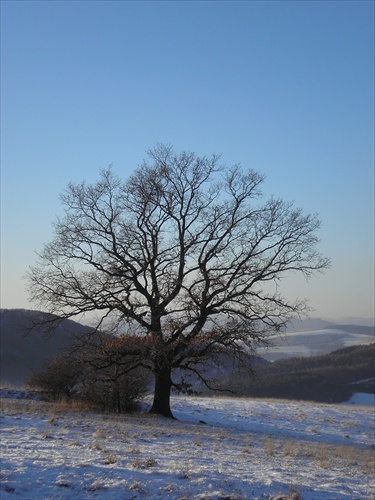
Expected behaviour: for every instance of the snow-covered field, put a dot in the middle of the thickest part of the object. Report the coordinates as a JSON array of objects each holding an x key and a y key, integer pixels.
[{"x": 220, "y": 448}]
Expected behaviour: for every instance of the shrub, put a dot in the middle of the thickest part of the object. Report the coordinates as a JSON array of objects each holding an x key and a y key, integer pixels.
[
  {"x": 114, "y": 390},
  {"x": 111, "y": 389},
  {"x": 59, "y": 377}
]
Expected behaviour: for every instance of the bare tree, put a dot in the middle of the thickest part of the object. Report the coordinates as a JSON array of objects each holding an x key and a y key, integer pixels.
[{"x": 185, "y": 253}]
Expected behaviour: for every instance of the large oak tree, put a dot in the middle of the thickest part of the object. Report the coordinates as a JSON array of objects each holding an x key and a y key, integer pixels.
[{"x": 185, "y": 253}]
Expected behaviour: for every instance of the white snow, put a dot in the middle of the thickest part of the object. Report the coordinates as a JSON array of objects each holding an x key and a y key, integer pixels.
[
  {"x": 246, "y": 449},
  {"x": 362, "y": 398}
]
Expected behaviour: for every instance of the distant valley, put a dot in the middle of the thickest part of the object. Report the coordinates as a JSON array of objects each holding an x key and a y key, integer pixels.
[
  {"x": 316, "y": 337},
  {"x": 321, "y": 377}
]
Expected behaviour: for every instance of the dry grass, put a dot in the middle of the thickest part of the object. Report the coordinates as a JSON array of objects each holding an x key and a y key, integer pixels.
[
  {"x": 110, "y": 460},
  {"x": 269, "y": 446},
  {"x": 35, "y": 406},
  {"x": 326, "y": 455},
  {"x": 74, "y": 405},
  {"x": 293, "y": 494}
]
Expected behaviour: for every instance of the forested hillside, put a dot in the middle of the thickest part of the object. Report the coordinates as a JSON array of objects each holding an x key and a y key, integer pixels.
[{"x": 330, "y": 378}]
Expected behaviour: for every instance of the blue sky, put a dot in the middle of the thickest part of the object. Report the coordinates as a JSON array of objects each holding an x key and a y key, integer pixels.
[{"x": 286, "y": 88}]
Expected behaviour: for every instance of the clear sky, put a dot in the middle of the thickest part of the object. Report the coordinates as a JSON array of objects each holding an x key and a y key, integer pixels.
[{"x": 286, "y": 88}]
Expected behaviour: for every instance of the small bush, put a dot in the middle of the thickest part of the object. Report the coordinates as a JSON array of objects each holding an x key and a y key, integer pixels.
[
  {"x": 59, "y": 377},
  {"x": 116, "y": 392},
  {"x": 111, "y": 389}
]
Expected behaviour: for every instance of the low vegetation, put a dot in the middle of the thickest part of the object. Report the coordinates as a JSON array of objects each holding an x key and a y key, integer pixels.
[{"x": 109, "y": 388}]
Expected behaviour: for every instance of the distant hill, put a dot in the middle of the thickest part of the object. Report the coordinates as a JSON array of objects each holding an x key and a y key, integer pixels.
[
  {"x": 316, "y": 337},
  {"x": 331, "y": 378},
  {"x": 312, "y": 324},
  {"x": 357, "y": 329},
  {"x": 309, "y": 324},
  {"x": 24, "y": 351}
]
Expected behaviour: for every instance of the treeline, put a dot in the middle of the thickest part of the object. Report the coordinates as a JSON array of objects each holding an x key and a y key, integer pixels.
[{"x": 331, "y": 378}]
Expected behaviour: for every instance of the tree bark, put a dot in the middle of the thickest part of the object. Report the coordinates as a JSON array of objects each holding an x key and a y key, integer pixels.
[{"x": 162, "y": 393}]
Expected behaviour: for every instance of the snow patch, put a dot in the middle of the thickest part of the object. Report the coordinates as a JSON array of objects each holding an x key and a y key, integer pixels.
[{"x": 362, "y": 398}]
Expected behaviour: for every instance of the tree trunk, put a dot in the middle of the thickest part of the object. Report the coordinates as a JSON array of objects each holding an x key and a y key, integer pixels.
[{"x": 162, "y": 393}]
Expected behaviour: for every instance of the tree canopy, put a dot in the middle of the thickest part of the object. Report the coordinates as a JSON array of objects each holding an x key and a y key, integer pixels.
[{"x": 185, "y": 252}]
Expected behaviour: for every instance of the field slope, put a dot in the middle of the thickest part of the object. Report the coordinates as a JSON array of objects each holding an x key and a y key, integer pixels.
[{"x": 219, "y": 448}]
